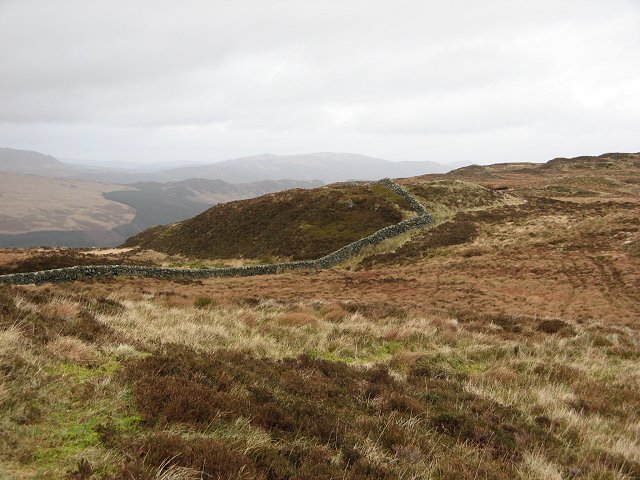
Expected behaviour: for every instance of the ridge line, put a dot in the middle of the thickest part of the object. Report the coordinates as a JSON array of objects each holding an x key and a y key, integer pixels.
[{"x": 66, "y": 274}]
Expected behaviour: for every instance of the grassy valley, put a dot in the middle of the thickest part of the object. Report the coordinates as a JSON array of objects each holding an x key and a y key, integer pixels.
[{"x": 38, "y": 211}]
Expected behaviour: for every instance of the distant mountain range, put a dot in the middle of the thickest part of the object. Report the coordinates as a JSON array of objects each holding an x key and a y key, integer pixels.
[
  {"x": 44, "y": 201},
  {"x": 326, "y": 167},
  {"x": 36, "y": 163}
]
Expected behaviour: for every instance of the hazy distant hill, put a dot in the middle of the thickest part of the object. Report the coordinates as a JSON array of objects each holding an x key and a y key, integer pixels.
[
  {"x": 37, "y": 210},
  {"x": 34, "y": 163},
  {"x": 326, "y": 166}
]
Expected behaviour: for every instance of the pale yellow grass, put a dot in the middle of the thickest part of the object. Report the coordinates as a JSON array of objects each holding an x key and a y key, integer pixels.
[
  {"x": 539, "y": 375},
  {"x": 535, "y": 394},
  {"x": 107, "y": 251},
  {"x": 266, "y": 330},
  {"x": 536, "y": 467},
  {"x": 72, "y": 349}
]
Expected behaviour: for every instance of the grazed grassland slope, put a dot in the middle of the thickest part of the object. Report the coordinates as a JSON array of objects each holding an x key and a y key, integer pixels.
[{"x": 501, "y": 343}]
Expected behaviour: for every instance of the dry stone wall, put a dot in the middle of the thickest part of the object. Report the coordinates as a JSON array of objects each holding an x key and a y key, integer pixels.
[{"x": 422, "y": 219}]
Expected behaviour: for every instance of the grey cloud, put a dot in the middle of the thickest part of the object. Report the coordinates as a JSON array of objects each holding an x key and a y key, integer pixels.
[{"x": 409, "y": 79}]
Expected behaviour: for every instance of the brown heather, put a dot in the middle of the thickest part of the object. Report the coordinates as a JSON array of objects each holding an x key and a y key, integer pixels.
[
  {"x": 234, "y": 391},
  {"x": 296, "y": 224},
  {"x": 502, "y": 343}
]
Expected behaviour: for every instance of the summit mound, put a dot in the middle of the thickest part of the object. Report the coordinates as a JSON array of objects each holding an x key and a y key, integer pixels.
[{"x": 298, "y": 224}]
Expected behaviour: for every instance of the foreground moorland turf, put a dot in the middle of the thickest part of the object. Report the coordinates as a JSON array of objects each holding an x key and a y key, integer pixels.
[
  {"x": 147, "y": 388},
  {"x": 502, "y": 342}
]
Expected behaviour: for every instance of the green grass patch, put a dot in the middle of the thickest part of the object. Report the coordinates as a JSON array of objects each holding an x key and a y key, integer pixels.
[
  {"x": 330, "y": 356},
  {"x": 387, "y": 349},
  {"x": 459, "y": 364},
  {"x": 81, "y": 373},
  {"x": 75, "y": 400}
]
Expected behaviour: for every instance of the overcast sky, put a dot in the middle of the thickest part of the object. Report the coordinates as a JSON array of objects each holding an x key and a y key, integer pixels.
[{"x": 193, "y": 81}]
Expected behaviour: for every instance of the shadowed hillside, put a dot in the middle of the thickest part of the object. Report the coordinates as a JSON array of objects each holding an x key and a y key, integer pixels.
[
  {"x": 162, "y": 203},
  {"x": 300, "y": 224}
]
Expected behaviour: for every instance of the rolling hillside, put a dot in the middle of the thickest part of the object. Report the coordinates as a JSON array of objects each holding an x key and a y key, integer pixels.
[
  {"x": 37, "y": 210},
  {"x": 270, "y": 240},
  {"x": 308, "y": 224},
  {"x": 297, "y": 224},
  {"x": 500, "y": 342}
]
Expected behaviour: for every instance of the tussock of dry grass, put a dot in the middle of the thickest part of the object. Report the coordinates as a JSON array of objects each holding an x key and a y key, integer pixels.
[
  {"x": 460, "y": 397},
  {"x": 536, "y": 467},
  {"x": 73, "y": 350}
]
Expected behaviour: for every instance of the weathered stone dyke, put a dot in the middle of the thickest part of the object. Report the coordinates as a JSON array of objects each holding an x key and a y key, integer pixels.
[
  {"x": 400, "y": 190},
  {"x": 422, "y": 219}
]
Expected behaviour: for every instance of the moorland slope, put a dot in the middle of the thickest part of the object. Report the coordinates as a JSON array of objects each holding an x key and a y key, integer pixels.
[
  {"x": 297, "y": 224},
  {"x": 38, "y": 210},
  {"x": 502, "y": 342}
]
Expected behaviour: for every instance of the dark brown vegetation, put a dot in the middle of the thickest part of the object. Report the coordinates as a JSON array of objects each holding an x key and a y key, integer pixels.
[
  {"x": 47, "y": 259},
  {"x": 297, "y": 224},
  {"x": 461, "y": 229},
  {"x": 336, "y": 408},
  {"x": 353, "y": 390},
  {"x": 501, "y": 343}
]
